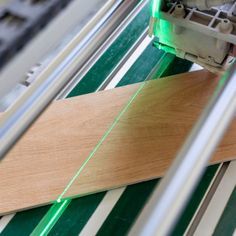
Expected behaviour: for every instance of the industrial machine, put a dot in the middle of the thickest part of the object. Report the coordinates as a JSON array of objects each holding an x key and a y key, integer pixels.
[
  {"x": 200, "y": 31},
  {"x": 54, "y": 49}
]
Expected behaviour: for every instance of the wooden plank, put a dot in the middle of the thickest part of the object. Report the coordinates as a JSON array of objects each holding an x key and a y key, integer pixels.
[{"x": 140, "y": 147}]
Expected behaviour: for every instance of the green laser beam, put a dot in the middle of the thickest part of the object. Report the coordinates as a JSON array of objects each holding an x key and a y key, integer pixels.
[
  {"x": 50, "y": 219},
  {"x": 100, "y": 142},
  {"x": 106, "y": 134},
  {"x": 57, "y": 209}
]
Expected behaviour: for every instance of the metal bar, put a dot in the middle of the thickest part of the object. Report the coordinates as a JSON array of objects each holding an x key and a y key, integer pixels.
[
  {"x": 168, "y": 200},
  {"x": 207, "y": 198},
  {"x": 124, "y": 59},
  {"x": 59, "y": 72},
  {"x": 69, "y": 87}
]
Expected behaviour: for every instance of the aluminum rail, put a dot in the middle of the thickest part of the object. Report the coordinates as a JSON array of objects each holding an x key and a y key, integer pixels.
[
  {"x": 69, "y": 87},
  {"x": 60, "y": 70},
  {"x": 169, "y": 199}
]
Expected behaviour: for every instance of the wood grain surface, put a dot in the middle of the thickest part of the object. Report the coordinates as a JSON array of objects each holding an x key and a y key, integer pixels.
[{"x": 140, "y": 147}]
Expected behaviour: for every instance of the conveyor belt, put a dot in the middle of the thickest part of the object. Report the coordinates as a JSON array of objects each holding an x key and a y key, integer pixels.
[
  {"x": 227, "y": 218},
  {"x": 129, "y": 201}
]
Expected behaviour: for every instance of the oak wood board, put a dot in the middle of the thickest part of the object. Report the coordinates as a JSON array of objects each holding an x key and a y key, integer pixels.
[{"x": 140, "y": 147}]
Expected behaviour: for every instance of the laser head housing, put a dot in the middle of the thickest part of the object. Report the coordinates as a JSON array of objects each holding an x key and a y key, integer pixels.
[{"x": 202, "y": 31}]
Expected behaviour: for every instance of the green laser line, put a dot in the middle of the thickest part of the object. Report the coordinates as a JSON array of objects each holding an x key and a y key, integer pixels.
[
  {"x": 103, "y": 139},
  {"x": 100, "y": 142},
  {"x": 51, "y": 218},
  {"x": 156, "y": 8}
]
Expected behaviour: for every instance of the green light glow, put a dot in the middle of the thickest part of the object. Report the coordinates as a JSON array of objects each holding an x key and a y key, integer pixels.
[
  {"x": 155, "y": 8},
  {"x": 163, "y": 32},
  {"x": 50, "y": 219},
  {"x": 165, "y": 48},
  {"x": 160, "y": 28}
]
